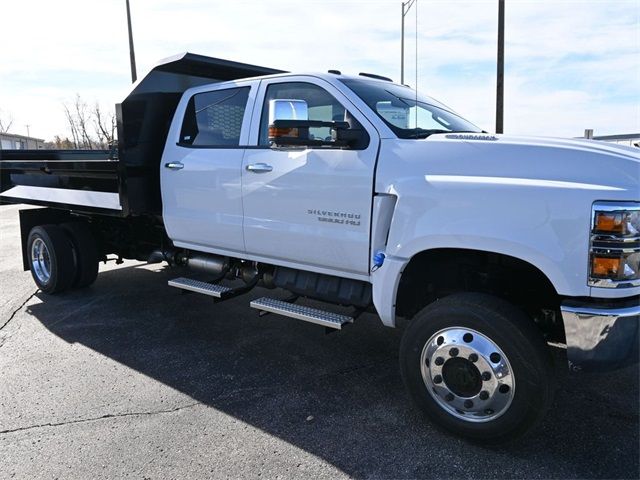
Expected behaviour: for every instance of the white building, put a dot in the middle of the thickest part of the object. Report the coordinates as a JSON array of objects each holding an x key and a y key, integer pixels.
[{"x": 12, "y": 141}]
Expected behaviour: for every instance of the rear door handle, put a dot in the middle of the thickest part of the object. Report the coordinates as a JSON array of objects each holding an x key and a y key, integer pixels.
[
  {"x": 174, "y": 165},
  {"x": 259, "y": 168}
]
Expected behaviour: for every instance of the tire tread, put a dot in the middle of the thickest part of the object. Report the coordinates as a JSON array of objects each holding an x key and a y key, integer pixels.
[
  {"x": 63, "y": 269},
  {"x": 518, "y": 333},
  {"x": 86, "y": 251}
]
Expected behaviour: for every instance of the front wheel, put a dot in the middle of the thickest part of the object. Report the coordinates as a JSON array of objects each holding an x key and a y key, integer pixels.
[{"x": 477, "y": 366}]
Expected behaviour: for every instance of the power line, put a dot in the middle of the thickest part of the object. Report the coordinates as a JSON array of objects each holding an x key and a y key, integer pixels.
[
  {"x": 416, "y": 86},
  {"x": 500, "y": 73}
]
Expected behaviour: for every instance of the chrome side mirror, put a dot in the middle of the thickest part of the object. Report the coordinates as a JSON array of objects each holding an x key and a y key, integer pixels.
[{"x": 288, "y": 110}]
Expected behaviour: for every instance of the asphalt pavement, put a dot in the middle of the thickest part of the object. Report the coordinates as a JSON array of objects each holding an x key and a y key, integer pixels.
[{"x": 129, "y": 378}]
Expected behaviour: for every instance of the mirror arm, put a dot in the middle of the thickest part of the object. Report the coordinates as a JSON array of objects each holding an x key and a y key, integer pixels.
[
  {"x": 304, "y": 142},
  {"x": 341, "y": 133},
  {"x": 309, "y": 124}
]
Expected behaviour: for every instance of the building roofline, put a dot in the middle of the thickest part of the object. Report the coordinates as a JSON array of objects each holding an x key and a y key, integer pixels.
[{"x": 16, "y": 135}]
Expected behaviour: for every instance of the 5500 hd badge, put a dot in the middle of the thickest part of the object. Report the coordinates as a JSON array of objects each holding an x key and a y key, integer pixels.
[{"x": 329, "y": 216}]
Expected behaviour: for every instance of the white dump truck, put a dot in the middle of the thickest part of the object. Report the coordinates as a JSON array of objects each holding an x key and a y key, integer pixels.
[{"x": 358, "y": 192}]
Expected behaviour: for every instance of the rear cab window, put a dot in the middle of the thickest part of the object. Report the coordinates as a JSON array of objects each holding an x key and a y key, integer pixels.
[{"x": 214, "y": 119}]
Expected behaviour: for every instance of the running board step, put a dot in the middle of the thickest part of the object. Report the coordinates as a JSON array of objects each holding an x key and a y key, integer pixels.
[
  {"x": 213, "y": 290},
  {"x": 301, "y": 312}
]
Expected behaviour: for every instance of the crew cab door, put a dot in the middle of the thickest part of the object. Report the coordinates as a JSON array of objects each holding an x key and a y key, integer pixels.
[
  {"x": 201, "y": 168},
  {"x": 309, "y": 207}
]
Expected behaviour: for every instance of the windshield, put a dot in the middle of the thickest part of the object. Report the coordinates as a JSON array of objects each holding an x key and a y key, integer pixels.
[{"x": 397, "y": 107}]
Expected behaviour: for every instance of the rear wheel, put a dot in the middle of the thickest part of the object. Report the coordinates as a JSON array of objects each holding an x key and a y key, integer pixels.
[
  {"x": 477, "y": 366},
  {"x": 86, "y": 253},
  {"x": 51, "y": 259}
]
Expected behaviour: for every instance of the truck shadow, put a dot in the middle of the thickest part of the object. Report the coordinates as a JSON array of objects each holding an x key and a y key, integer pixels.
[{"x": 276, "y": 373}]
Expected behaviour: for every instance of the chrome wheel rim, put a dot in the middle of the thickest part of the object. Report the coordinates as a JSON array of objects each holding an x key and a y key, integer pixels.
[
  {"x": 467, "y": 374},
  {"x": 40, "y": 261}
]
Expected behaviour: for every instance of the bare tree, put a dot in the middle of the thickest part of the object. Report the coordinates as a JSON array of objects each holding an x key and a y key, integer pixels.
[
  {"x": 59, "y": 143},
  {"x": 78, "y": 118},
  {"x": 72, "y": 125},
  {"x": 81, "y": 120},
  {"x": 5, "y": 122},
  {"x": 105, "y": 126}
]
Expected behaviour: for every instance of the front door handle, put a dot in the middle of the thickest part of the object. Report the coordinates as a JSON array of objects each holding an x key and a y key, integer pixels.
[
  {"x": 259, "y": 168},
  {"x": 174, "y": 165}
]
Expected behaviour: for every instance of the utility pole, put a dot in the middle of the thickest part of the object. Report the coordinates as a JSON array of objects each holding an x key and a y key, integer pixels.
[
  {"x": 132, "y": 55},
  {"x": 405, "y": 9},
  {"x": 500, "y": 76}
]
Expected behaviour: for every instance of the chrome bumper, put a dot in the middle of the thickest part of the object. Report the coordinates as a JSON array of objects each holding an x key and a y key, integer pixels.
[{"x": 600, "y": 338}]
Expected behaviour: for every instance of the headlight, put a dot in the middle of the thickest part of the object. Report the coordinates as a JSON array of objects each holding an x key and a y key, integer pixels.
[
  {"x": 623, "y": 223},
  {"x": 615, "y": 245}
]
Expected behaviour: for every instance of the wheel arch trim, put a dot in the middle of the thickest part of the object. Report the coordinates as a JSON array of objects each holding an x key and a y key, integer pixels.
[{"x": 386, "y": 280}]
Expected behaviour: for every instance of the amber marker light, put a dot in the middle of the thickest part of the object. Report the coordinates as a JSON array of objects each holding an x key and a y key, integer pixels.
[
  {"x": 609, "y": 222},
  {"x": 605, "y": 266},
  {"x": 275, "y": 132}
]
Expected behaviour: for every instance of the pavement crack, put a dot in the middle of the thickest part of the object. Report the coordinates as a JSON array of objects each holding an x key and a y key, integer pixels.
[
  {"x": 15, "y": 312},
  {"x": 101, "y": 417},
  {"x": 355, "y": 369}
]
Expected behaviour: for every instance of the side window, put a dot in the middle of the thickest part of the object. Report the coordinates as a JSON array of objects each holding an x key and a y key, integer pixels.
[
  {"x": 214, "y": 119},
  {"x": 321, "y": 104}
]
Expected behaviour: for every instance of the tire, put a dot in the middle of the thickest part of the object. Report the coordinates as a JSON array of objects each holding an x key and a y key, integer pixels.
[
  {"x": 51, "y": 259},
  {"x": 439, "y": 369},
  {"x": 86, "y": 253}
]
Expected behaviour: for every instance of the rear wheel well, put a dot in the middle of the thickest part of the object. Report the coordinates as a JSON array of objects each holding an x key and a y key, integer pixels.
[
  {"x": 434, "y": 274},
  {"x": 127, "y": 237}
]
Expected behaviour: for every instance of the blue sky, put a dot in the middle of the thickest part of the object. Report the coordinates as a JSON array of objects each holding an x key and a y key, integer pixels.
[{"x": 570, "y": 64}]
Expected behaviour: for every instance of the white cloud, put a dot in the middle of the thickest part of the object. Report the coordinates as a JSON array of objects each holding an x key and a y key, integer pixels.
[{"x": 570, "y": 65}]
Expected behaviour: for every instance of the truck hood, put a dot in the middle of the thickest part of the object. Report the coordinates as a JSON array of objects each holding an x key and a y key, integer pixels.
[{"x": 544, "y": 161}]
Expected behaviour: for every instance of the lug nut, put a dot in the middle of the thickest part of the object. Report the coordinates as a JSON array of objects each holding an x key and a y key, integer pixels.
[
  {"x": 484, "y": 395},
  {"x": 486, "y": 376},
  {"x": 437, "y": 379},
  {"x": 468, "y": 404},
  {"x": 439, "y": 361},
  {"x": 473, "y": 358},
  {"x": 454, "y": 352}
]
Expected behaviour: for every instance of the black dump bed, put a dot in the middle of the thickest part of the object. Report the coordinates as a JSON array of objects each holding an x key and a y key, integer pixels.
[{"x": 125, "y": 181}]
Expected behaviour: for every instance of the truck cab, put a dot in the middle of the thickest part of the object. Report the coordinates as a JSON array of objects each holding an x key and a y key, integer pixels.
[{"x": 488, "y": 250}]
